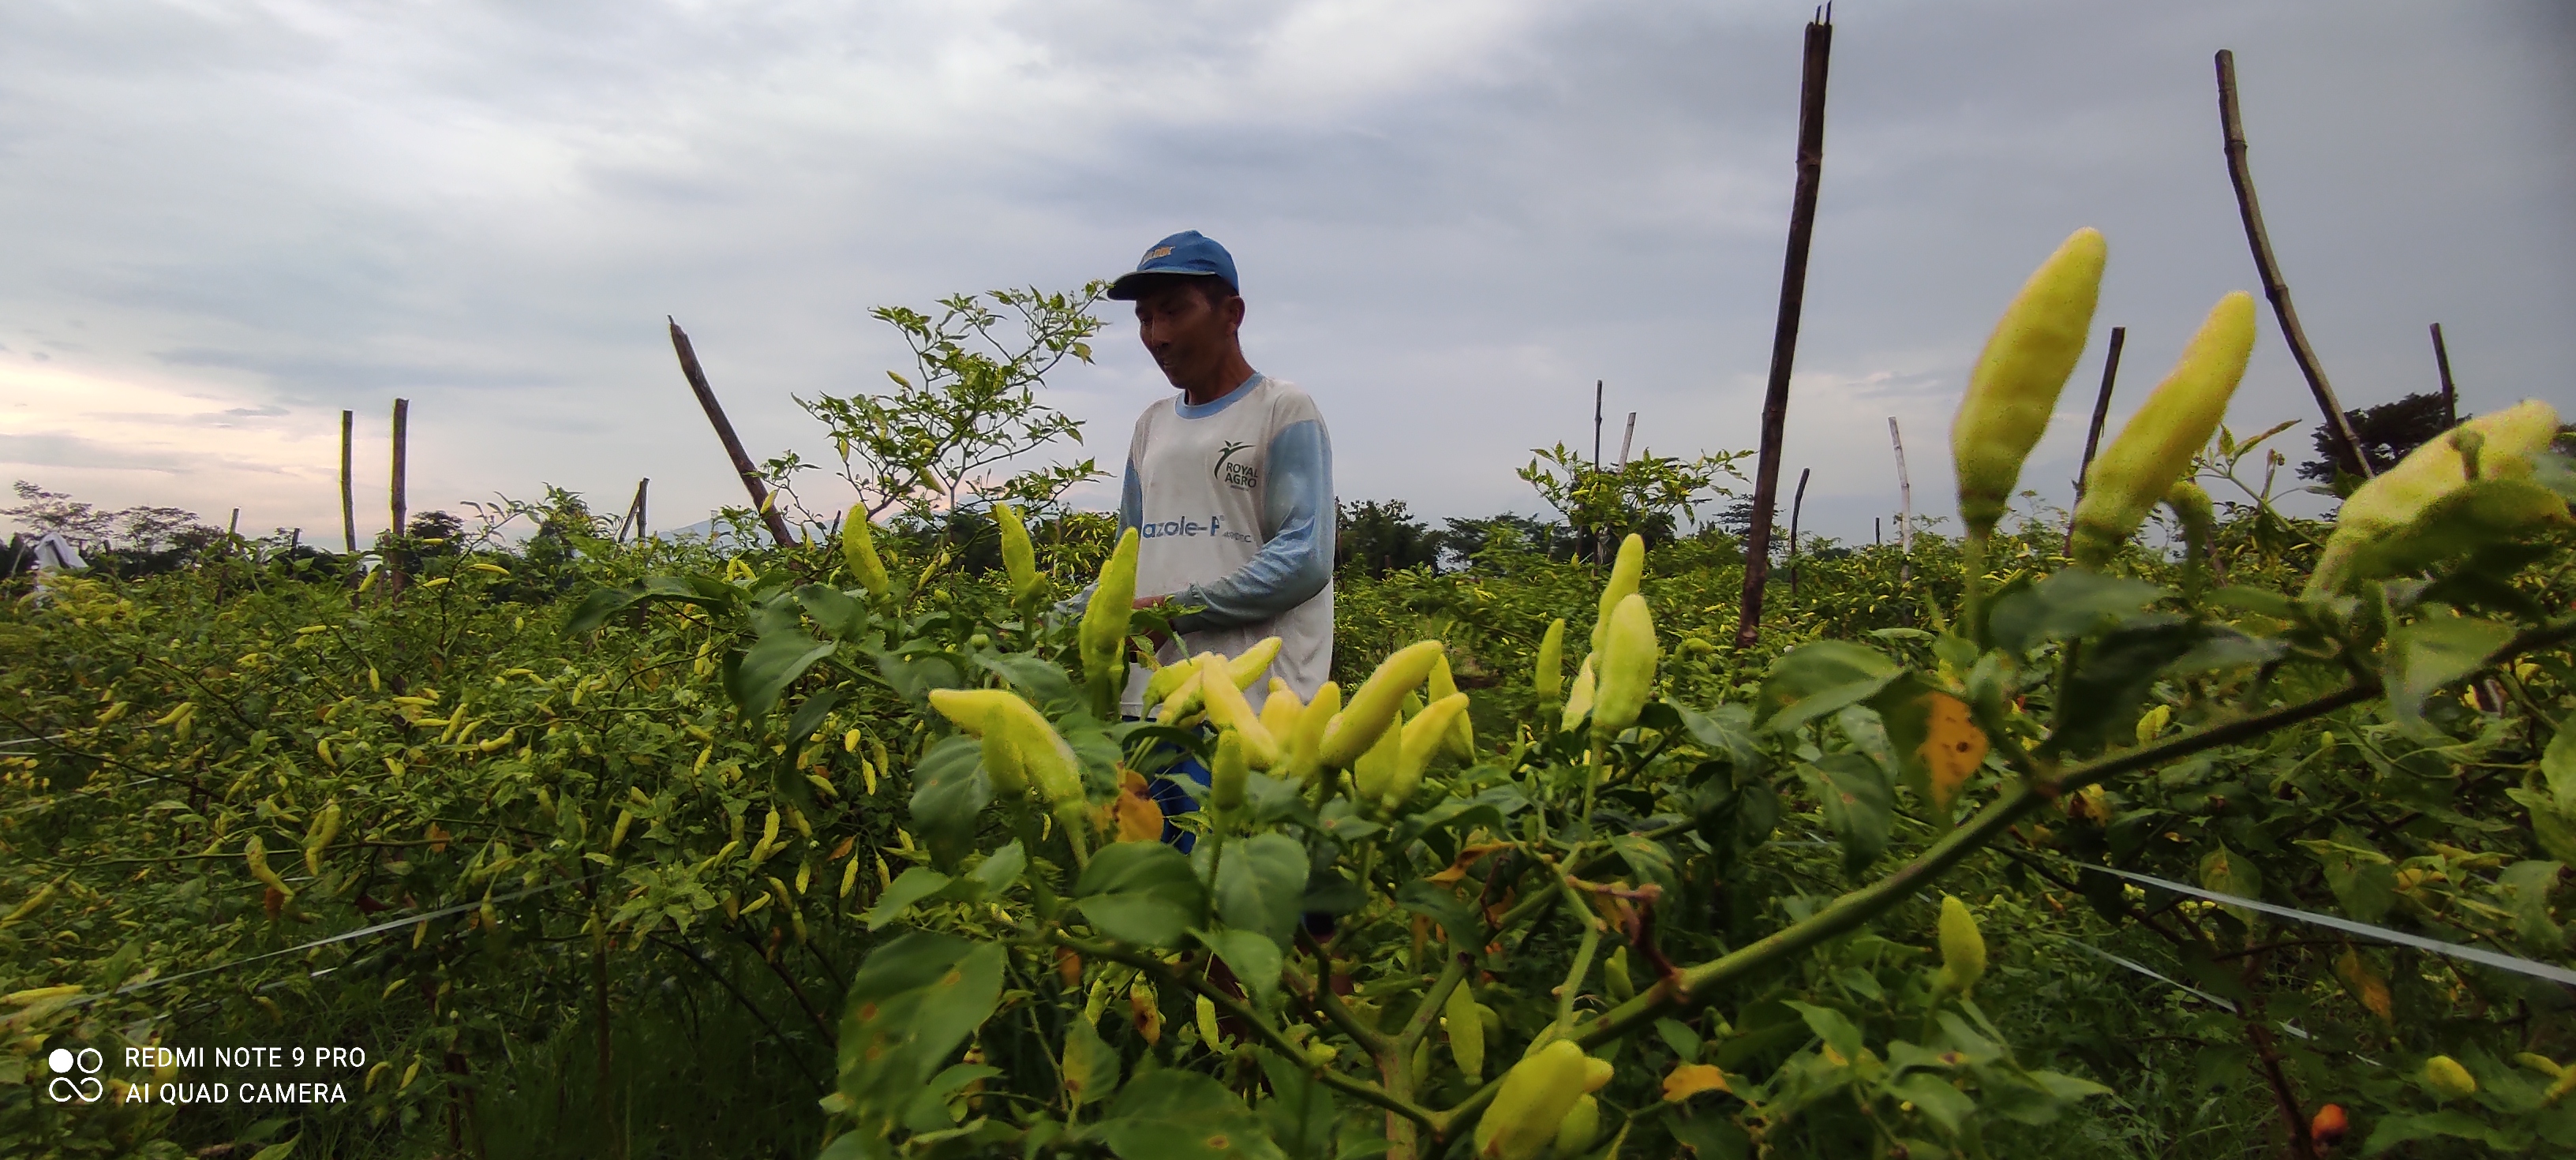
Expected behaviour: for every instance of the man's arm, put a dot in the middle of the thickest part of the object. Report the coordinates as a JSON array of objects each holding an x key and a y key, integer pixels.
[{"x": 1296, "y": 557}]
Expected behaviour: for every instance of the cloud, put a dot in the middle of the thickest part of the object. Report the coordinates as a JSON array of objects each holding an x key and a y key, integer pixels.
[{"x": 1452, "y": 217}]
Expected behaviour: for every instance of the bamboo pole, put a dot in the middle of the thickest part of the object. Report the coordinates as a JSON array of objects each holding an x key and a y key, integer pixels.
[
  {"x": 2093, "y": 435},
  {"x": 2269, "y": 268},
  {"x": 2450, "y": 392},
  {"x": 1905, "y": 498},
  {"x": 348, "y": 493},
  {"x": 1627, "y": 441},
  {"x": 742, "y": 465},
  {"x": 1784, "y": 337}
]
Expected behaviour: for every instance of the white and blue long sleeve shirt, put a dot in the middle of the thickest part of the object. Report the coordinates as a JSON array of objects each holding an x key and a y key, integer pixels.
[{"x": 1233, "y": 503}]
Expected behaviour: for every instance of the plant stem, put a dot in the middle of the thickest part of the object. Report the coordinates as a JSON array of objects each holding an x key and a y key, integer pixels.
[
  {"x": 1574, "y": 976},
  {"x": 1271, "y": 1036}
]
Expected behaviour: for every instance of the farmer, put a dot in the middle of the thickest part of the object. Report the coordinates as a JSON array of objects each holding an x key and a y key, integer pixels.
[{"x": 1230, "y": 483}]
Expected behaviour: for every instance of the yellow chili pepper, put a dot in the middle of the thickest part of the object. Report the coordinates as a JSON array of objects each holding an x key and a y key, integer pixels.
[
  {"x": 1535, "y": 1097},
  {"x": 1230, "y": 712},
  {"x": 1578, "y": 700},
  {"x": 2156, "y": 446},
  {"x": 1103, "y": 635},
  {"x": 1549, "y": 679},
  {"x": 1227, "y": 774},
  {"x": 1421, "y": 738},
  {"x": 1461, "y": 741},
  {"x": 1306, "y": 741},
  {"x": 1963, "y": 947},
  {"x": 1019, "y": 557},
  {"x": 1625, "y": 573},
  {"x": 1373, "y": 706},
  {"x": 1627, "y": 675},
  {"x": 859, "y": 553},
  {"x": 2502, "y": 444},
  {"x": 2014, "y": 388}
]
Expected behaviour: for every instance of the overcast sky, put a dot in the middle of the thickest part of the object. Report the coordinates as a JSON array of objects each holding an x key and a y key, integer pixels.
[{"x": 221, "y": 223}]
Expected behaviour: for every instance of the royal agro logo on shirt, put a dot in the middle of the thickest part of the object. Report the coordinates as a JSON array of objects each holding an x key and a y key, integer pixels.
[{"x": 1241, "y": 476}]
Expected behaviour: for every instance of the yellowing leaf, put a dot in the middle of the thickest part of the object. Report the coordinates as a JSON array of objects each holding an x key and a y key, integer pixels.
[
  {"x": 1953, "y": 748},
  {"x": 1691, "y": 1079},
  {"x": 1135, "y": 817},
  {"x": 2366, "y": 985}
]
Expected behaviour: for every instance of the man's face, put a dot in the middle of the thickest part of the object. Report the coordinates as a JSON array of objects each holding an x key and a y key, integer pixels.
[{"x": 1188, "y": 337}]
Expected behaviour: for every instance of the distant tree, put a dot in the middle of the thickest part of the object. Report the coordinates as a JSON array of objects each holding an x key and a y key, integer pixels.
[
  {"x": 1378, "y": 538},
  {"x": 1466, "y": 539},
  {"x": 438, "y": 526},
  {"x": 42, "y": 511},
  {"x": 2386, "y": 431}
]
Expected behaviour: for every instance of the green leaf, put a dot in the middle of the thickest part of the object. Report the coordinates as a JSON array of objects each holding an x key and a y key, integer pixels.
[
  {"x": 998, "y": 873},
  {"x": 279, "y": 1151},
  {"x": 1090, "y": 1064},
  {"x": 1043, "y": 683},
  {"x": 1818, "y": 678},
  {"x": 1301, "y": 1111},
  {"x": 914, "y": 677},
  {"x": 2392, "y": 1131},
  {"x": 1440, "y": 904},
  {"x": 809, "y": 717},
  {"x": 595, "y": 609},
  {"x": 1677, "y": 1035},
  {"x": 914, "y": 1002},
  {"x": 2112, "y": 678},
  {"x": 833, "y": 609},
  {"x": 2433, "y": 652},
  {"x": 909, "y": 887},
  {"x": 949, "y": 789},
  {"x": 1143, "y": 893},
  {"x": 2555, "y": 829},
  {"x": 1858, "y": 804},
  {"x": 2558, "y": 765},
  {"x": 1947, "y": 1107},
  {"x": 1183, "y": 1115},
  {"x": 2068, "y": 605},
  {"x": 1252, "y": 957},
  {"x": 2363, "y": 881},
  {"x": 1832, "y": 1026},
  {"x": 2526, "y": 887},
  {"x": 772, "y": 663},
  {"x": 1259, "y": 883},
  {"x": 1726, "y": 731},
  {"x": 928, "y": 1111},
  {"x": 2225, "y": 871}
]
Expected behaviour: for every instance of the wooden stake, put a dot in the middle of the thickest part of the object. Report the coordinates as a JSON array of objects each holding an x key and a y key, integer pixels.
[
  {"x": 1796, "y": 505},
  {"x": 2450, "y": 392},
  {"x": 634, "y": 517},
  {"x": 2269, "y": 268},
  {"x": 2093, "y": 436},
  {"x": 1905, "y": 498},
  {"x": 401, "y": 500},
  {"x": 1784, "y": 337},
  {"x": 348, "y": 495},
  {"x": 1628, "y": 440},
  {"x": 742, "y": 464},
  {"x": 1600, "y": 546}
]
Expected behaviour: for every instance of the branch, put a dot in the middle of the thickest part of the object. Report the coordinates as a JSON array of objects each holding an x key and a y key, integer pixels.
[{"x": 1232, "y": 1005}]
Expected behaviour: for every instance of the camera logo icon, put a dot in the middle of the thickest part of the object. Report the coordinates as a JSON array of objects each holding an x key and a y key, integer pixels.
[{"x": 66, "y": 1087}]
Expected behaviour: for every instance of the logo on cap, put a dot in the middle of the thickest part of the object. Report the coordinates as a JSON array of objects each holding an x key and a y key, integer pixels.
[{"x": 1156, "y": 252}]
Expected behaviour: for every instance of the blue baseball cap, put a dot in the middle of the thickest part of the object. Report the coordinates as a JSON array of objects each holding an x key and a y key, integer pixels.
[{"x": 1188, "y": 252}]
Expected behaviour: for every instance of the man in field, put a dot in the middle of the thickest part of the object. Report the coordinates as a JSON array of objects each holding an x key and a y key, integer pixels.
[{"x": 1229, "y": 483}]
